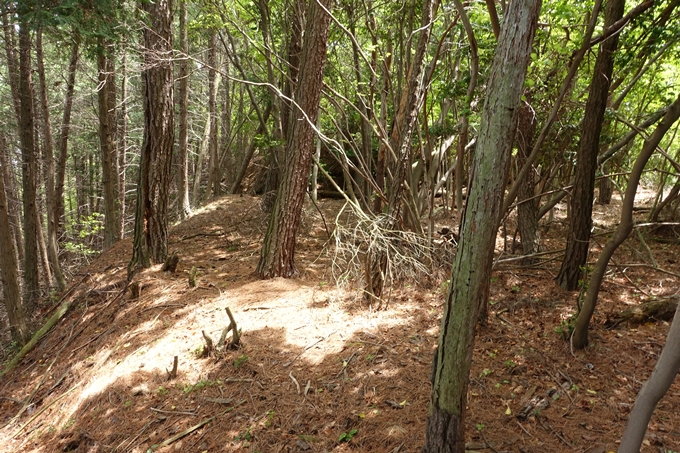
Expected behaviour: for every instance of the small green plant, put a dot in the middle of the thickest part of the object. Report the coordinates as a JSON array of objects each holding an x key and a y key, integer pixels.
[
  {"x": 346, "y": 437},
  {"x": 127, "y": 403},
  {"x": 162, "y": 391},
  {"x": 244, "y": 435},
  {"x": 240, "y": 360},
  {"x": 69, "y": 423},
  {"x": 566, "y": 327},
  {"x": 509, "y": 364},
  {"x": 515, "y": 289},
  {"x": 446, "y": 284},
  {"x": 485, "y": 372},
  {"x": 480, "y": 426}
]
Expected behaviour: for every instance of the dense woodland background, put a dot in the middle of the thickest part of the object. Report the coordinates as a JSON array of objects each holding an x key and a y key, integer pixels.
[{"x": 119, "y": 118}]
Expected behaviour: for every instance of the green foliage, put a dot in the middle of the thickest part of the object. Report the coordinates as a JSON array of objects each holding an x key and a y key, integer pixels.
[
  {"x": 240, "y": 360},
  {"x": 346, "y": 437}
]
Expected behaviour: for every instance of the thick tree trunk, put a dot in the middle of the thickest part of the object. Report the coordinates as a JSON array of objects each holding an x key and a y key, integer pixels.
[
  {"x": 9, "y": 270},
  {"x": 580, "y": 222},
  {"x": 472, "y": 267},
  {"x": 108, "y": 153},
  {"x": 580, "y": 336},
  {"x": 184, "y": 204},
  {"x": 665, "y": 371},
  {"x": 52, "y": 246},
  {"x": 151, "y": 215},
  {"x": 278, "y": 251},
  {"x": 28, "y": 153}
]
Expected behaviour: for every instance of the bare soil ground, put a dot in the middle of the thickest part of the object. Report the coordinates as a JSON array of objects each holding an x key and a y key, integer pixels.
[{"x": 319, "y": 370}]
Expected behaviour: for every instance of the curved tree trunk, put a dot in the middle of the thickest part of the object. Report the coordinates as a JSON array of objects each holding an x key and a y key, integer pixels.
[
  {"x": 445, "y": 430},
  {"x": 580, "y": 336},
  {"x": 580, "y": 222},
  {"x": 278, "y": 251},
  {"x": 151, "y": 215},
  {"x": 665, "y": 371}
]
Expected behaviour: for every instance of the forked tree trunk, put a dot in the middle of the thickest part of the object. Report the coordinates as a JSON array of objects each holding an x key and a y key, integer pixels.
[
  {"x": 471, "y": 271},
  {"x": 151, "y": 215},
  {"x": 9, "y": 272},
  {"x": 581, "y": 221},
  {"x": 665, "y": 371},
  {"x": 580, "y": 336},
  {"x": 278, "y": 251}
]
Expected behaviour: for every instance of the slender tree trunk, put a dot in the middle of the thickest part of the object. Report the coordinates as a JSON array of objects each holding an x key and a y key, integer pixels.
[
  {"x": 472, "y": 267},
  {"x": 28, "y": 152},
  {"x": 278, "y": 251},
  {"x": 213, "y": 189},
  {"x": 527, "y": 210},
  {"x": 580, "y": 222},
  {"x": 9, "y": 268},
  {"x": 122, "y": 146},
  {"x": 665, "y": 371},
  {"x": 185, "y": 205},
  {"x": 13, "y": 204},
  {"x": 52, "y": 246},
  {"x": 580, "y": 336},
  {"x": 57, "y": 213},
  {"x": 150, "y": 243},
  {"x": 108, "y": 154}
]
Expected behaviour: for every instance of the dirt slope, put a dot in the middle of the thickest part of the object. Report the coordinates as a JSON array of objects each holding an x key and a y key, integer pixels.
[{"x": 318, "y": 370}]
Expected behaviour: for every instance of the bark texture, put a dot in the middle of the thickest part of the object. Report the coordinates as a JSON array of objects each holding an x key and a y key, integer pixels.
[
  {"x": 278, "y": 251},
  {"x": 151, "y": 215},
  {"x": 185, "y": 206},
  {"x": 581, "y": 222},
  {"x": 445, "y": 430},
  {"x": 9, "y": 270},
  {"x": 28, "y": 167}
]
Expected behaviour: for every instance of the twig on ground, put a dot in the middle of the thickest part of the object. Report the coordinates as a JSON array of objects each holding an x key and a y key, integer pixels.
[{"x": 193, "y": 414}]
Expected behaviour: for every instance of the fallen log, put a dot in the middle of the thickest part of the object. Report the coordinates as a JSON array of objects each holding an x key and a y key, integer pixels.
[{"x": 655, "y": 310}]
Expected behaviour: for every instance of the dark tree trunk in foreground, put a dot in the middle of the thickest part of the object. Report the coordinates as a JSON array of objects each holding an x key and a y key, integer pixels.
[
  {"x": 665, "y": 371},
  {"x": 581, "y": 221},
  {"x": 278, "y": 251},
  {"x": 580, "y": 336},
  {"x": 9, "y": 269},
  {"x": 27, "y": 136},
  {"x": 471, "y": 271},
  {"x": 151, "y": 214}
]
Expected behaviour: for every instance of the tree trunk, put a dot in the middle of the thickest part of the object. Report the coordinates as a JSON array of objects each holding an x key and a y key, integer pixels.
[
  {"x": 151, "y": 215},
  {"x": 527, "y": 210},
  {"x": 52, "y": 246},
  {"x": 58, "y": 208},
  {"x": 278, "y": 251},
  {"x": 471, "y": 271},
  {"x": 185, "y": 206},
  {"x": 108, "y": 154},
  {"x": 213, "y": 189},
  {"x": 580, "y": 222},
  {"x": 665, "y": 371},
  {"x": 9, "y": 270},
  {"x": 28, "y": 152},
  {"x": 122, "y": 146},
  {"x": 580, "y": 336},
  {"x": 606, "y": 187}
]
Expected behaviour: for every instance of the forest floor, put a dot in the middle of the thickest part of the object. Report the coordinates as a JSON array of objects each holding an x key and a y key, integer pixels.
[{"x": 318, "y": 369}]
